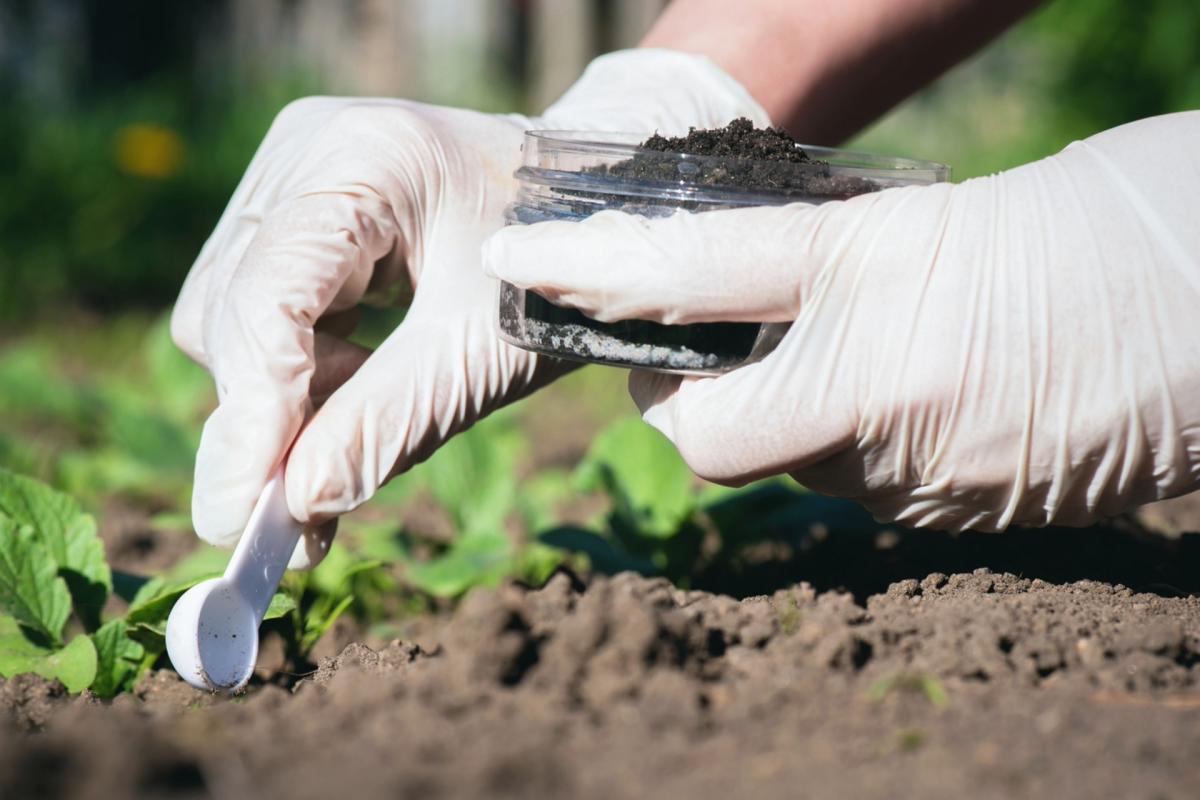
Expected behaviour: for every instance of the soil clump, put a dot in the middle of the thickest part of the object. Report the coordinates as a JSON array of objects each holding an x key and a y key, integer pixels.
[{"x": 739, "y": 139}]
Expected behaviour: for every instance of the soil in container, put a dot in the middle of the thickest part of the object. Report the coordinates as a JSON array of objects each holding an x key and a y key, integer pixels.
[
  {"x": 764, "y": 163},
  {"x": 759, "y": 159}
]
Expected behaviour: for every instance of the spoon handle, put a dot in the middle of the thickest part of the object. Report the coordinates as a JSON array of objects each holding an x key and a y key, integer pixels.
[{"x": 266, "y": 545}]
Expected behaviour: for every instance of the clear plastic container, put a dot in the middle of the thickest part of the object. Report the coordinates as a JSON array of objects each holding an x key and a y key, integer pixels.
[{"x": 568, "y": 175}]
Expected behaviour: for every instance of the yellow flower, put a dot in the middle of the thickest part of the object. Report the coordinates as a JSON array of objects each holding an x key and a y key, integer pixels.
[{"x": 148, "y": 150}]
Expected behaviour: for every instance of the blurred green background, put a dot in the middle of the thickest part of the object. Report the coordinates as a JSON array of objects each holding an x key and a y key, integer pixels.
[{"x": 124, "y": 127}]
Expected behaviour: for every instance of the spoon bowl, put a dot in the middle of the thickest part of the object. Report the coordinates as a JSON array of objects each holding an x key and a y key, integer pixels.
[
  {"x": 212, "y": 631},
  {"x": 218, "y": 651}
]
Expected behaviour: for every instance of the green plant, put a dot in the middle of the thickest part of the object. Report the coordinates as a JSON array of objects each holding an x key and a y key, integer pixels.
[
  {"x": 790, "y": 616},
  {"x": 917, "y": 683},
  {"x": 127, "y": 428},
  {"x": 911, "y": 739},
  {"x": 111, "y": 194},
  {"x": 54, "y": 584},
  {"x": 474, "y": 480},
  {"x": 662, "y": 520},
  {"x": 320, "y": 597}
]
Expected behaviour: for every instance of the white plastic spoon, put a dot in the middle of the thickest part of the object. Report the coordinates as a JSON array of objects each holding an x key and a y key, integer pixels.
[{"x": 212, "y": 632}]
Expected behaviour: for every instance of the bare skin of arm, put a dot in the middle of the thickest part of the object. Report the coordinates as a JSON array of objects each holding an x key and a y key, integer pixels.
[{"x": 826, "y": 70}]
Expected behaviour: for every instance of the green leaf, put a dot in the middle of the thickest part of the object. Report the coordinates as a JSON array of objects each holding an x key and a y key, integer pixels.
[
  {"x": 776, "y": 510},
  {"x": 152, "y": 604},
  {"x": 477, "y": 560},
  {"x": 203, "y": 561},
  {"x": 19, "y": 456},
  {"x": 604, "y": 555},
  {"x": 541, "y": 496},
  {"x": 150, "y": 607},
  {"x": 148, "y": 613},
  {"x": 136, "y": 425},
  {"x": 335, "y": 573},
  {"x": 118, "y": 658},
  {"x": 473, "y": 476},
  {"x": 74, "y": 665},
  {"x": 181, "y": 388},
  {"x": 69, "y": 536},
  {"x": 31, "y": 387},
  {"x": 321, "y": 618},
  {"x": 172, "y": 521},
  {"x": 281, "y": 605},
  {"x": 321, "y": 596},
  {"x": 535, "y": 563},
  {"x": 400, "y": 489},
  {"x": 126, "y": 585},
  {"x": 651, "y": 487},
  {"x": 30, "y": 589},
  {"x": 383, "y": 540},
  {"x": 914, "y": 683}
]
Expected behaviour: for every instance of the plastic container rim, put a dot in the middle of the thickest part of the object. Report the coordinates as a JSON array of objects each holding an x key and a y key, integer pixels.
[{"x": 840, "y": 162}]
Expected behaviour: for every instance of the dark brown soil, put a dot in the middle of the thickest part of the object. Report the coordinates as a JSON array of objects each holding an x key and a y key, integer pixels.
[
  {"x": 709, "y": 347},
  {"x": 749, "y": 158},
  {"x": 739, "y": 139},
  {"x": 977, "y": 684},
  {"x": 738, "y": 156},
  {"x": 133, "y": 544}
]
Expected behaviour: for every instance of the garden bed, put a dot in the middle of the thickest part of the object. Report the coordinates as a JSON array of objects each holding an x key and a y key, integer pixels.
[
  {"x": 974, "y": 684},
  {"x": 819, "y": 653}
]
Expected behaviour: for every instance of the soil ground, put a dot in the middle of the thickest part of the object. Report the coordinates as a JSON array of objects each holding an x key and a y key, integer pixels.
[{"x": 1035, "y": 664}]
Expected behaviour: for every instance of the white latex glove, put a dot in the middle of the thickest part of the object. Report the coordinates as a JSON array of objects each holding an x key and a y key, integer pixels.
[
  {"x": 1022, "y": 348},
  {"x": 354, "y": 197}
]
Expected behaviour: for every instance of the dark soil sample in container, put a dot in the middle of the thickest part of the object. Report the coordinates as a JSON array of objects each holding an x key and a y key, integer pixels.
[
  {"x": 739, "y": 156},
  {"x": 751, "y": 157},
  {"x": 735, "y": 166},
  {"x": 564, "y": 332}
]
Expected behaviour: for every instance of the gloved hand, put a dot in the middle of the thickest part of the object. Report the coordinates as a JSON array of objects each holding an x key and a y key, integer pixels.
[
  {"x": 353, "y": 198},
  {"x": 1022, "y": 348}
]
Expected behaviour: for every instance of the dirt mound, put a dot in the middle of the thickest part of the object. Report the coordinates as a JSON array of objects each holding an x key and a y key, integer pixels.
[
  {"x": 738, "y": 139},
  {"x": 978, "y": 685}
]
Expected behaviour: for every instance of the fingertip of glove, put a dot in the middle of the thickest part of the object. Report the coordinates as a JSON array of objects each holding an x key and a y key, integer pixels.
[
  {"x": 313, "y": 546},
  {"x": 509, "y": 254},
  {"x": 224, "y": 491},
  {"x": 494, "y": 252},
  {"x": 216, "y": 523},
  {"x": 320, "y": 483}
]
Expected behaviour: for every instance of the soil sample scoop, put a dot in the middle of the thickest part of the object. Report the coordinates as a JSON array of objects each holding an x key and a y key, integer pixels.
[{"x": 212, "y": 632}]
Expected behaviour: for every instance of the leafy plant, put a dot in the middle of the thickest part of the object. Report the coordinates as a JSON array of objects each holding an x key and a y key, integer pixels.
[
  {"x": 317, "y": 599},
  {"x": 917, "y": 683},
  {"x": 54, "y": 584},
  {"x": 658, "y": 519},
  {"x": 129, "y": 430},
  {"x": 473, "y": 479},
  {"x": 661, "y": 519}
]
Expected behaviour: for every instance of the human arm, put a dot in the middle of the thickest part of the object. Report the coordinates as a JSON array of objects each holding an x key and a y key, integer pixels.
[{"x": 825, "y": 70}]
